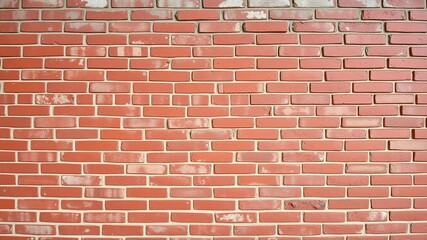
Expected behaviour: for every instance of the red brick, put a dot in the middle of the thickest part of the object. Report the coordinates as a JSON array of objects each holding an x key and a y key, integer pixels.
[
  {"x": 329, "y": 63},
  {"x": 134, "y": 4},
  {"x": 300, "y": 230},
  {"x": 386, "y": 228},
  {"x": 254, "y": 230},
  {"x": 383, "y": 15},
  {"x": 356, "y": 4},
  {"x": 348, "y": 203},
  {"x": 228, "y": 169},
  {"x": 301, "y": 76},
  {"x": 404, "y": 39},
  {"x": 361, "y": 122},
  {"x": 346, "y": 75},
  {"x": 189, "y": 15},
  {"x": 358, "y": 27},
  {"x": 313, "y": 27},
  {"x": 354, "y": 63},
  {"x": 287, "y": 87},
  {"x": 349, "y": 14},
  {"x": 10, "y": 4},
  {"x": 259, "y": 204},
  {"x": 17, "y": 15},
  {"x": 324, "y": 217},
  {"x": 312, "y": 39},
  {"x": 245, "y": 15},
  {"x": 368, "y": 192},
  {"x": 348, "y": 180},
  {"x": 265, "y": 27},
  {"x": 389, "y": 133},
  {"x": 399, "y": 4},
  {"x": 192, "y": 217},
  {"x": 365, "y": 145},
  {"x": 276, "y": 38},
  {"x": 346, "y": 51},
  {"x": 283, "y": 14},
  {"x": 222, "y": 27},
  {"x": 234, "y": 39},
  {"x": 417, "y": 15},
  {"x": 343, "y": 229}
]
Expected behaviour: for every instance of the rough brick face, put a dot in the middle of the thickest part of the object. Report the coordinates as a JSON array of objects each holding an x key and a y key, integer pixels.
[{"x": 213, "y": 119}]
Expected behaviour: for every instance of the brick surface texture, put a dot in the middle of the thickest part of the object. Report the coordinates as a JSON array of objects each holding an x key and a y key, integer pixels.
[{"x": 213, "y": 119}]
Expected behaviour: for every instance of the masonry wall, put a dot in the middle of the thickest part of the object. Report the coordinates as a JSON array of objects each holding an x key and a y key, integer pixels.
[{"x": 213, "y": 119}]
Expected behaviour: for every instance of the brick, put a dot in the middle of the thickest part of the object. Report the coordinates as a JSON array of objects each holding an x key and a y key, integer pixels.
[
  {"x": 386, "y": 228},
  {"x": 19, "y": 15},
  {"x": 9, "y": 27},
  {"x": 324, "y": 217},
  {"x": 418, "y": 51},
  {"x": 383, "y": 15},
  {"x": 174, "y": 27},
  {"x": 222, "y": 27},
  {"x": 389, "y": 133},
  {"x": 346, "y": 133},
  {"x": 9, "y": 4},
  {"x": 349, "y": 14},
  {"x": 359, "y": 4},
  {"x": 41, "y": 27},
  {"x": 85, "y": 27},
  {"x": 365, "y": 39},
  {"x": 313, "y": 27},
  {"x": 404, "y": 27},
  {"x": 349, "y": 51},
  {"x": 348, "y": 203},
  {"x": 365, "y": 145},
  {"x": 313, "y": 39},
  {"x": 11, "y": 63},
  {"x": 189, "y": 217},
  {"x": 301, "y": 230},
  {"x": 178, "y": 4},
  {"x": 291, "y": 14},
  {"x": 235, "y": 39},
  {"x": 152, "y": 39},
  {"x": 417, "y": 15},
  {"x": 265, "y": 27},
  {"x": 404, "y": 39},
  {"x": 318, "y": 4},
  {"x": 103, "y": 39},
  {"x": 255, "y": 230},
  {"x": 132, "y": 4},
  {"x": 274, "y": 4},
  {"x": 151, "y": 15},
  {"x": 189, "y": 15},
  {"x": 406, "y": 63},
  {"x": 353, "y": 63},
  {"x": 366, "y": 27},
  {"x": 348, "y": 180},
  {"x": 343, "y": 229},
  {"x": 191, "y": 39},
  {"x": 409, "y": 4},
  {"x": 244, "y": 15},
  {"x": 87, "y": 4},
  {"x": 352, "y": 75},
  {"x": 74, "y": 63},
  {"x": 113, "y": 15},
  {"x": 317, "y": 64},
  {"x": 301, "y": 76},
  {"x": 410, "y": 87},
  {"x": 405, "y": 122}
]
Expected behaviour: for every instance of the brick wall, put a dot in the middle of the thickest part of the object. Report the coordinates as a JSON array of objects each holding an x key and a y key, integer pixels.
[{"x": 213, "y": 119}]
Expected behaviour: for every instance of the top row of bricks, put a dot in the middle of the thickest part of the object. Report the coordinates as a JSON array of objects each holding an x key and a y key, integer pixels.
[{"x": 212, "y": 3}]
